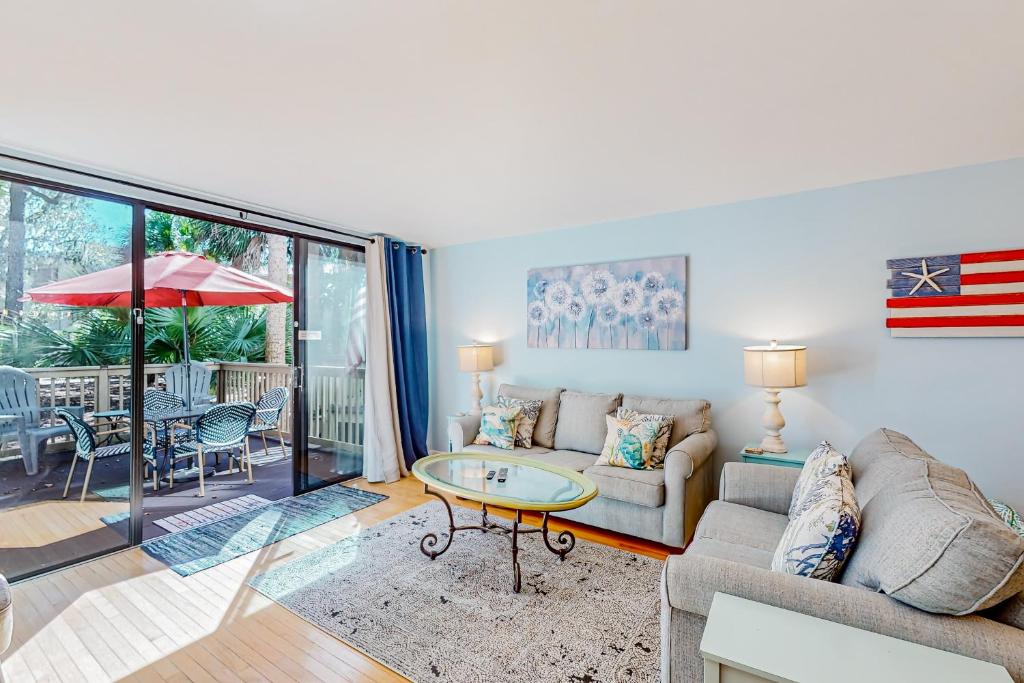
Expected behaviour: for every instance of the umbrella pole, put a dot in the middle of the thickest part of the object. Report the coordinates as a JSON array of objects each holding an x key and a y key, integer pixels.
[{"x": 188, "y": 359}]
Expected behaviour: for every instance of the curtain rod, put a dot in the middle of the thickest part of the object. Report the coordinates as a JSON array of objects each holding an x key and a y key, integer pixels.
[{"x": 243, "y": 213}]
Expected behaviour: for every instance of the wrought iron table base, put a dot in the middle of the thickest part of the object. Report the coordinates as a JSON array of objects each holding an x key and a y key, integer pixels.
[{"x": 564, "y": 542}]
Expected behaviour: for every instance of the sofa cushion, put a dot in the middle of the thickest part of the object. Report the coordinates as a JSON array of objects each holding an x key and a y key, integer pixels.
[
  {"x": 544, "y": 429},
  {"x": 581, "y": 420},
  {"x": 1011, "y": 612},
  {"x": 928, "y": 537},
  {"x": 742, "y": 525},
  {"x": 690, "y": 415},
  {"x": 641, "y": 487},
  {"x": 883, "y": 458},
  {"x": 493, "y": 450},
  {"x": 732, "y": 552},
  {"x": 573, "y": 460}
]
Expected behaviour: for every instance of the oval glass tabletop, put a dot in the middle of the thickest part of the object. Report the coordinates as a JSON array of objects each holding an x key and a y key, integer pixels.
[{"x": 529, "y": 484}]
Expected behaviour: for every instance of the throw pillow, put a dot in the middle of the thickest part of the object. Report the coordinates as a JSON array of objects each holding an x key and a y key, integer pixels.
[
  {"x": 819, "y": 538},
  {"x": 822, "y": 462},
  {"x": 664, "y": 425},
  {"x": 629, "y": 443},
  {"x": 498, "y": 427},
  {"x": 530, "y": 411},
  {"x": 1009, "y": 515}
]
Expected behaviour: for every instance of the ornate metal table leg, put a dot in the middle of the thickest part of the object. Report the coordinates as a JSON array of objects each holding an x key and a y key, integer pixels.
[
  {"x": 483, "y": 518},
  {"x": 429, "y": 542},
  {"x": 566, "y": 540},
  {"x": 517, "y": 578}
]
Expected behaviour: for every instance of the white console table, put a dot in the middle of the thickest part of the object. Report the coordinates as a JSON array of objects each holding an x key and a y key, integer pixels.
[{"x": 749, "y": 642}]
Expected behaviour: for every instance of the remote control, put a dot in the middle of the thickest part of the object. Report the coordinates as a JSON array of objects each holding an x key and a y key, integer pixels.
[
  {"x": 502, "y": 475},
  {"x": 490, "y": 475}
]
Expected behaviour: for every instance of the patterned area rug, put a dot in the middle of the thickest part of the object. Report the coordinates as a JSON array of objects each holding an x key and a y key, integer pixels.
[
  {"x": 202, "y": 547},
  {"x": 592, "y": 618},
  {"x": 210, "y": 513}
]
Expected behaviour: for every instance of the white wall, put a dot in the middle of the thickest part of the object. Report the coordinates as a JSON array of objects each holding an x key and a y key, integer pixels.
[{"x": 806, "y": 268}]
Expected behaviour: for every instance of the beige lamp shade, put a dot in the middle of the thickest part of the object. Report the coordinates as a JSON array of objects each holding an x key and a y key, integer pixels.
[
  {"x": 775, "y": 366},
  {"x": 476, "y": 358}
]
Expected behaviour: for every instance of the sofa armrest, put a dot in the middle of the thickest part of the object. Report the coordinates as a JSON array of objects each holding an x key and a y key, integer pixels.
[
  {"x": 693, "y": 452},
  {"x": 691, "y": 581},
  {"x": 765, "y": 487},
  {"x": 462, "y": 429}
]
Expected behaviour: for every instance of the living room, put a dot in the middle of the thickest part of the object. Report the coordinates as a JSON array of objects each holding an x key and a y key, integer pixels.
[{"x": 653, "y": 341}]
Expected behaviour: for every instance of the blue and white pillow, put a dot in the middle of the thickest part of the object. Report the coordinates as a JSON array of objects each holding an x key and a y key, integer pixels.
[
  {"x": 820, "y": 536},
  {"x": 822, "y": 462}
]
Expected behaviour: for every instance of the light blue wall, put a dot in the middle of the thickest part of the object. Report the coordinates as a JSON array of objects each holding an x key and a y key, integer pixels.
[{"x": 806, "y": 268}]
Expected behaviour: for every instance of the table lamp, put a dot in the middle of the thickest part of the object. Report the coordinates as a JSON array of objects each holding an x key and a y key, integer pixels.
[
  {"x": 476, "y": 358},
  {"x": 774, "y": 367}
]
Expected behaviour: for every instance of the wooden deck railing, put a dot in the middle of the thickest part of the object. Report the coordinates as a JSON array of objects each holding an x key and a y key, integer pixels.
[{"x": 335, "y": 395}]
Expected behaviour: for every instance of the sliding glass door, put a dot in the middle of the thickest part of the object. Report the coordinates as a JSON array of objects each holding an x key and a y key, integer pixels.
[
  {"x": 66, "y": 350},
  {"x": 330, "y": 352}
]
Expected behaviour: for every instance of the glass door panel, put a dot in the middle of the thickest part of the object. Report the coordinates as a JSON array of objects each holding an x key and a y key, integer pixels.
[
  {"x": 66, "y": 382},
  {"x": 330, "y": 368}
]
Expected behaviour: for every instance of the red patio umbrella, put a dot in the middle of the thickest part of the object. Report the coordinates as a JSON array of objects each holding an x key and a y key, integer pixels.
[{"x": 172, "y": 278}]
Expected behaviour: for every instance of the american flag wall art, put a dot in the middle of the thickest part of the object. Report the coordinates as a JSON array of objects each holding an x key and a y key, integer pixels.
[{"x": 960, "y": 295}]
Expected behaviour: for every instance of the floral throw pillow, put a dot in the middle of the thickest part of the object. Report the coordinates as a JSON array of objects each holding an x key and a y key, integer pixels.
[
  {"x": 822, "y": 462},
  {"x": 818, "y": 540},
  {"x": 1012, "y": 518},
  {"x": 529, "y": 412},
  {"x": 664, "y": 425},
  {"x": 498, "y": 427},
  {"x": 630, "y": 442}
]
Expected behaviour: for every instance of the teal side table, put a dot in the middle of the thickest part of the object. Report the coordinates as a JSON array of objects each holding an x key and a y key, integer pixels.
[{"x": 794, "y": 458}]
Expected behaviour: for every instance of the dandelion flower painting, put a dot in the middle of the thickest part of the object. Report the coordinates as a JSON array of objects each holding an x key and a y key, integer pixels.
[{"x": 637, "y": 305}]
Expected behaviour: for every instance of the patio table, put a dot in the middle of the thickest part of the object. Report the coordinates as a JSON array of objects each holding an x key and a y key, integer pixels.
[{"x": 162, "y": 420}]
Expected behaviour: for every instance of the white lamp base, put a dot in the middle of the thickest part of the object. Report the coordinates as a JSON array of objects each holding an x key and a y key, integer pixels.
[
  {"x": 773, "y": 423},
  {"x": 477, "y": 395}
]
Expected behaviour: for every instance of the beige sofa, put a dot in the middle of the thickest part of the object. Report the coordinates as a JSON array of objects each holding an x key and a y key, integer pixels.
[
  {"x": 6, "y": 618},
  {"x": 927, "y": 538},
  {"x": 660, "y": 505}
]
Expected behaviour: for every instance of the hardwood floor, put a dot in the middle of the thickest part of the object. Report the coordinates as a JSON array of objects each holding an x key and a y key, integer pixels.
[{"x": 128, "y": 617}]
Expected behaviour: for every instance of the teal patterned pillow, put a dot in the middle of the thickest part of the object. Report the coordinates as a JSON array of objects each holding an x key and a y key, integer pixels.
[
  {"x": 498, "y": 427},
  {"x": 818, "y": 540},
  {"x": 529, "y": 412},
  {"x": 1009, "y": 515},
  {"x": 663, "y": 423}
]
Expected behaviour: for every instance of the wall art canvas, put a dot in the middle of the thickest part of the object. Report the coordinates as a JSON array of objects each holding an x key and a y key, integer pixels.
[
  {"x": 638, "y": 304},
  {"x": 980, "y": 294}
]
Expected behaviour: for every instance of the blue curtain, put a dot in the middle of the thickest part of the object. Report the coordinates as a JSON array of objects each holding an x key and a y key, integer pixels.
[{"x": 407, "y": 308}]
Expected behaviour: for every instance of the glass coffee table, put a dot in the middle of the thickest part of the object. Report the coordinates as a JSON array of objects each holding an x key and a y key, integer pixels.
[{"x": 529, "y": 485}]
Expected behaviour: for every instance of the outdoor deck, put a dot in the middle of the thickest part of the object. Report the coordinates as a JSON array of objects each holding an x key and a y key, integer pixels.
[{"x": 52, "y": 529}]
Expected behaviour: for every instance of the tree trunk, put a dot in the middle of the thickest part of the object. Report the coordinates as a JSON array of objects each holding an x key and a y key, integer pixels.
[
  {"x": 277, "y": 266},
  {"x": 15, "y": 249}
]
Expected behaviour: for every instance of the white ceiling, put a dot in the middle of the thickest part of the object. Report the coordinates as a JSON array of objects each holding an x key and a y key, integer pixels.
[{"x": 445, "y": 121}]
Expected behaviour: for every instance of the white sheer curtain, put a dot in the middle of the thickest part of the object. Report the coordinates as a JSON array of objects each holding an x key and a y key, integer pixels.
[{"x": 382, "y": 449}]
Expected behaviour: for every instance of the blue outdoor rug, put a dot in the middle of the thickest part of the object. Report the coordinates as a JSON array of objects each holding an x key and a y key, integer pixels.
[{"x": 202, "y": 547}]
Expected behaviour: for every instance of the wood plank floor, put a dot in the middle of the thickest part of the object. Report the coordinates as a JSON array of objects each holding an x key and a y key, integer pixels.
[{"x": 128, "y": 617}]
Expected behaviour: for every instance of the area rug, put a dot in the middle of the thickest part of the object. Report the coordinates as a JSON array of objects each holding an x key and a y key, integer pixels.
[
  {"x": 591, "y": 618},
  {"x": 202, "y": 547},
  {"x": 210, "y": 513}
]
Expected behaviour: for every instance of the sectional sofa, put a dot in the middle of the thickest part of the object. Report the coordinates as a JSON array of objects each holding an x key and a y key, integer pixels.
[{"x": 661, "y": 505}]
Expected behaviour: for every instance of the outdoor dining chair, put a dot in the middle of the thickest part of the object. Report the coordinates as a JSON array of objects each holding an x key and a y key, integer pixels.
[
  {"x": 198, "y": 378},
  {"x": 22, "y": 416},
  {"x": 221, "y": 429},
  {"x": 86, "y": 449},
  {"x": 268, "y": 416}
]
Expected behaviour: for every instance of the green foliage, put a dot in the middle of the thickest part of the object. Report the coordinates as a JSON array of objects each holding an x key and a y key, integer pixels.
[{"x": 102, "y": 336}]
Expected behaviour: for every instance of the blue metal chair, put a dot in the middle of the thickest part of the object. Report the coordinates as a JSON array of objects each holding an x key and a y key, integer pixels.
[
  {"x": 221, "y": 429},
  {"x": 86, "y": 449},
  {"x": 268, "y": 416}
]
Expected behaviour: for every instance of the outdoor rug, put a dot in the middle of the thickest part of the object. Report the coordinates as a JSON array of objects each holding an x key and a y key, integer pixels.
[
  {"x": 210, "y": 513},
  {"x": 592, "y": 618},
  {"x": 202, "y": 547}
]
